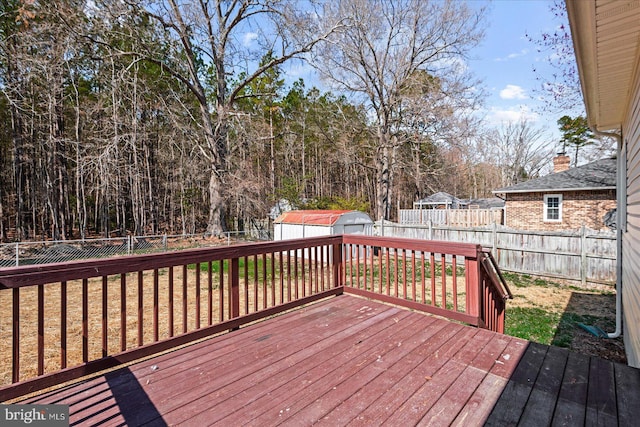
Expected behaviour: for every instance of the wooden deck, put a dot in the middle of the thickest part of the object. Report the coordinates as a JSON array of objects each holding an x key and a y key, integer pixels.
[{"x": 352, "y": 361}]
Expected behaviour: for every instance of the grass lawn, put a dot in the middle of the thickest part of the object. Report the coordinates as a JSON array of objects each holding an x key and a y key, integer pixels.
[{"x": 549, "y": 313}]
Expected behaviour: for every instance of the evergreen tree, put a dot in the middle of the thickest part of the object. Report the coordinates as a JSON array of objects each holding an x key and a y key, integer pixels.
[{"x": 575, "y": 134}]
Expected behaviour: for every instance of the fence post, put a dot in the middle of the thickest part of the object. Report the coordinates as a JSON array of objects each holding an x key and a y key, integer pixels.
[
  {"x": 17, "y": 254},
  {"x": 164, "y": 242},
  {"x": 129, "y": 245},
  {"x": 494, "y": 239},
  {"x": 583, "y": 255},
  {"x": 430, "y": 232}
]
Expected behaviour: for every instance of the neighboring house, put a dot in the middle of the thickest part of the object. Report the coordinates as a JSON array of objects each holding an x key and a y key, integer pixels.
[
  {"x": 564, "y": 200},
  {"x": 440, "y": 200},
  {"x": 606, "y": 38}
]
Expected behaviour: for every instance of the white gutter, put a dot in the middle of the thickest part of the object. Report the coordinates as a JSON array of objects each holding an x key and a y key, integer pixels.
[{"x": 547, "y": 190}]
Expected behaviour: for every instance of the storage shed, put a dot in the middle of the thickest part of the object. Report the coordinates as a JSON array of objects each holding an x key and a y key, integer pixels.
[{"x": 313, "y": 223}]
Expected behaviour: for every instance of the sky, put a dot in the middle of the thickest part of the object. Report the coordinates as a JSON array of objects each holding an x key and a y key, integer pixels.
[
  {"x": 504, "y": 61},
  {"x": 506, "y": 58}
]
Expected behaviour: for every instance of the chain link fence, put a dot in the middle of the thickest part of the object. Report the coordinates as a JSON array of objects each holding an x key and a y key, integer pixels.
[{"x": 46, "y": 252}]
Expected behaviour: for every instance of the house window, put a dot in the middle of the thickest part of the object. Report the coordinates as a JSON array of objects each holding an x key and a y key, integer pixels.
[{"x": 553, "y": 207}]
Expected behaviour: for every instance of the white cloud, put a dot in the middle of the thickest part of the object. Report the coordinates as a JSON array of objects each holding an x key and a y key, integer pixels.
[
  {"x": 513, "y": 92},
  {"x": 511, "y": 56},
  {"x": 498, "y": 116},
  {"x": 249, "y": 38}
]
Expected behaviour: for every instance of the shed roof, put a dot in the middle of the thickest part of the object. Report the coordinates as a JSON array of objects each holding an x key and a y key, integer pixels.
[
  {"x": 312, "y": 217},
  {"x": 598, "y": 175}
]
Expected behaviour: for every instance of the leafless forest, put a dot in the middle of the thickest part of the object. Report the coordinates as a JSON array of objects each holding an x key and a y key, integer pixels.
[{"x": 153, "y": 116}]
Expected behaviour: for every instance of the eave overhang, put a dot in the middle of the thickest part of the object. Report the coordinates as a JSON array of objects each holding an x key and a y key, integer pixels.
[{"x": 606, "y": 40}]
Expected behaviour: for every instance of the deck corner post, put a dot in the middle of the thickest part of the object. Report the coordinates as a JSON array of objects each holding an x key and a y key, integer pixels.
[
  {"x": 500, "y": 320},
  {"x": 472, "y": 284},
  {"x": 338, "y": 280}
]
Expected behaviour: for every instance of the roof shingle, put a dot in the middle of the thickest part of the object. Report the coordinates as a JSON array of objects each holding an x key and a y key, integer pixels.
[{"x": 598, "y": 175}]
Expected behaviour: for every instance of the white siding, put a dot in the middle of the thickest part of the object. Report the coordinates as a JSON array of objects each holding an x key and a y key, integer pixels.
[{"x": 631, "y": 238}]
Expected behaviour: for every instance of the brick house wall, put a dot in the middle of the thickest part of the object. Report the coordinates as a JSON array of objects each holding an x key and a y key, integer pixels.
[{"x": 525, "y": 211}]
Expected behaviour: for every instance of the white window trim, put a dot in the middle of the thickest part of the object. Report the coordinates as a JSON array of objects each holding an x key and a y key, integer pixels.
[{"x": 545, "y": 217}]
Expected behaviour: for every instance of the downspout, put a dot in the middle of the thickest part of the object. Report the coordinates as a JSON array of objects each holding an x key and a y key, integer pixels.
[{"x": 621, "y": 221}]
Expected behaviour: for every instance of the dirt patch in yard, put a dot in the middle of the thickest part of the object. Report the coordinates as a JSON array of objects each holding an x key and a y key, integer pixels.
[{"x": 552, "y": 314}]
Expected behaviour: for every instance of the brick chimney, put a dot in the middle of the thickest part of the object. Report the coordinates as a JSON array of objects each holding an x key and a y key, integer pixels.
[{"x": 561, "y": 163}]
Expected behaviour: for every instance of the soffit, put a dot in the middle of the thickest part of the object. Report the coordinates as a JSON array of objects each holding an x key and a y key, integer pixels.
[{"x": 606, "y": 37}]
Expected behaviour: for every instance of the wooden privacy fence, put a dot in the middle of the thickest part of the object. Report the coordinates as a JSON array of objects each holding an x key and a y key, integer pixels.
[
  {"x": 61, "y": 321},
  {"x": 451, "y": 217},
  {"x": 585, "y": 256}
]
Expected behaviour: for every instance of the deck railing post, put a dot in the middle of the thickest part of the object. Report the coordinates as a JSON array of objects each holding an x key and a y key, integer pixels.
[
  {"x": 472, "y": 285},
  {"x": 234, "y": 283},
  {"x": 500, "y": 317},
  {"x": 337, "y": 265}
]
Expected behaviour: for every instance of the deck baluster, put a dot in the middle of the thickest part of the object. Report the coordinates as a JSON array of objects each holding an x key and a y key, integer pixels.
[{"x": 63, "y": 324}]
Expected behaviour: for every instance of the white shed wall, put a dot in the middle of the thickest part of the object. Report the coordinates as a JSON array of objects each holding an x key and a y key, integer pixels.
[
  {"x": 348, "y": 223},
  {"x": 299, "y": 231}
]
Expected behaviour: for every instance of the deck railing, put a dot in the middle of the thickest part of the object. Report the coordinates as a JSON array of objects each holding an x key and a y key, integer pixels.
[
  {"x": 63, "y": 321},
  {"x": 458, "y": 281}
]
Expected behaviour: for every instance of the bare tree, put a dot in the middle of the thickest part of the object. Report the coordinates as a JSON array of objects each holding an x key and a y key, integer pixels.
[
  {"x": 519, "y": 150},
  {"x": 561, "y": 92},
  {"x": 35, "y": 55},
  {"x": 382, "y": 49},
  {"x": 207, "y": 39}
]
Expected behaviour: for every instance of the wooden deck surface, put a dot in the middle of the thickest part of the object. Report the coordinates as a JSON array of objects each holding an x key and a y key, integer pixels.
[{"x": 351, "y": 361}]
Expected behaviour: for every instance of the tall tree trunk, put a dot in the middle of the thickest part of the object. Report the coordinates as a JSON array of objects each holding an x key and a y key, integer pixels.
[
  {"x": 216, "y": 142},
  {"x": 81, "y": 203},
  {"x": 20, "y": 172},
  {"x": 383, "y": 179},
  {"x": 272, "y": 155}
]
